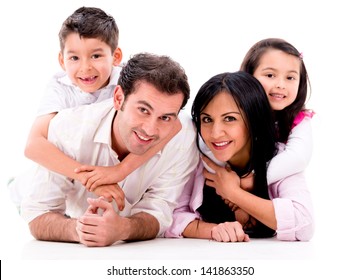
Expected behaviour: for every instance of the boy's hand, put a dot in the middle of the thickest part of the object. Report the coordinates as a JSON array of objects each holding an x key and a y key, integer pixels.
[
  {"x": 110, "y": 192},
  {"x": 95, "y": 176}
]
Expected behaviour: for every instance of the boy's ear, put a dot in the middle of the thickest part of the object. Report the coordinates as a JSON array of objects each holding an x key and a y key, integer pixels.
[
  {"x": 61, "y": 61},
  {"x": 119, "y": 97},
  {"x": 117, "y": 57}
]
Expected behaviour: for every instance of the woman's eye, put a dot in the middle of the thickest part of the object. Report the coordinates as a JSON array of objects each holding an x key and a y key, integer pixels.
[
  {"x": 230, "y": 119},
  {"x": 205, "y": 119}
]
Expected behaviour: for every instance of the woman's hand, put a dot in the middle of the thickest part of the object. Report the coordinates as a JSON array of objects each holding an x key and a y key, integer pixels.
[
  {"x": 229, "y": 232},
  {"x": 224, "y": 180}
]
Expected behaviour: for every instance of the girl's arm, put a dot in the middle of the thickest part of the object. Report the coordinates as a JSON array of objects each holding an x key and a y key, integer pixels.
[
  {"x": 289, "y": 212},
  {"x": 296, "y": 154}
]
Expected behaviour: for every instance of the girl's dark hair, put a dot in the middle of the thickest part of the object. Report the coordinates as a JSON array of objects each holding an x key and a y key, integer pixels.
[
  {"x": 90, "y": 22},
  {"x": 161, "y": 71},
  {"x": 252, "y": 102},
  {"x": 285, "y": 117}
]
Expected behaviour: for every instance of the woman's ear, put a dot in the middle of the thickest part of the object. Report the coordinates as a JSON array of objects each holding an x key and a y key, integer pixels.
[
  {"x": 61, "y": 61},
  {"x": 117, "y": 57},
  {"x": 119, "y": 97}
]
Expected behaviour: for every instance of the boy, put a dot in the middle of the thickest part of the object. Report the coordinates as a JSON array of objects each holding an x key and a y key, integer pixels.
[{"x": 90, "y": 57}]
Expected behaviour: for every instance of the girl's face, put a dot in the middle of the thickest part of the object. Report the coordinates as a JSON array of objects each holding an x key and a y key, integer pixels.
[
  {"x": 279, "y": 74},
  {"x": 88, "y": 62},
  {"x": 224, "y": 130}
]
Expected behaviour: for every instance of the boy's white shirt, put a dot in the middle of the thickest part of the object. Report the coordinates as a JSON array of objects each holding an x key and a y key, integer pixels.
[{"x": 61, "y": 93}]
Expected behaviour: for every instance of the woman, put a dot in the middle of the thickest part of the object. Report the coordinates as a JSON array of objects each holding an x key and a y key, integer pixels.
[{"x": 236, "y": 129}]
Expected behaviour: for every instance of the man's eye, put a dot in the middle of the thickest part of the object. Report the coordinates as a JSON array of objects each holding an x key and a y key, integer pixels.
[
  {"x": 143, "y": 110},
  {"x": 166, "y": 118}
]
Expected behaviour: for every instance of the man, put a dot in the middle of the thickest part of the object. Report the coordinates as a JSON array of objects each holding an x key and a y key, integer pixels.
[{"x": 151, "y": 92}]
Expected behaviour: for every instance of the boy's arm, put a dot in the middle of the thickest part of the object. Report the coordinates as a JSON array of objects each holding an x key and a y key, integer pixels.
[
  {"x": 94, "y": 176},
  {"x": 43, "y": 152}
]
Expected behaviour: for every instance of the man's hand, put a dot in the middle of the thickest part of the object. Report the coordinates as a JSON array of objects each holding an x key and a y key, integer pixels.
[{"x": 99, "y": 226}]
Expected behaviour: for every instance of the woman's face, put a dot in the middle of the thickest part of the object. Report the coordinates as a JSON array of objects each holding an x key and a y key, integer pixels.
[{"x": 224, "y": 130}]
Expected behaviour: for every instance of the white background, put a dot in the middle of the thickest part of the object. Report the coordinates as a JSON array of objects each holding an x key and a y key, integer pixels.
[{"x": 206, "y": 38}]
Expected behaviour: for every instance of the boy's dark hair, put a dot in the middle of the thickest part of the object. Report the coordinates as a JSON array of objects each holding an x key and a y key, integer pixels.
[
  {"x": 90, "y": 22},
  {"x": 161, "y": 71}
]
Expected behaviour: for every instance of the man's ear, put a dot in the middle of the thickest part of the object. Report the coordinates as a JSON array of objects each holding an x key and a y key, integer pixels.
[
  {"x": 119, "y": 97},
  {"x": 117, "y": 57},
  {"x": 61, "y": 60}
]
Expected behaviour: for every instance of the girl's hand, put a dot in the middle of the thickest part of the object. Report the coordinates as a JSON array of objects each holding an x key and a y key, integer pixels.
[{"x": 229, "y": 232}]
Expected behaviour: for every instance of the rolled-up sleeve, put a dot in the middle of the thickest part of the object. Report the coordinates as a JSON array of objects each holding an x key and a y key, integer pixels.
[{"x": 293, "y": 208}]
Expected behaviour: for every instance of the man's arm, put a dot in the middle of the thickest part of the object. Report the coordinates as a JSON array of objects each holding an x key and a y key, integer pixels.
[{"x": 54, "y": 226}]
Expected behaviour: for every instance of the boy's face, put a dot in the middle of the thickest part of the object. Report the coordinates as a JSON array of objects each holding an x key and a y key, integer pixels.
[
  {"x": 88, "y": 62},
  {"x": 144, "y": 119}
]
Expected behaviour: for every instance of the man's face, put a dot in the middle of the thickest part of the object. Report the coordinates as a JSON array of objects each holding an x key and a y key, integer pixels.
[{"x": 144, "y": 119}]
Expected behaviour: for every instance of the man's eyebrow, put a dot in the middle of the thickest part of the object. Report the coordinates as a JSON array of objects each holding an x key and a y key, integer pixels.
[{"x": 147, "y": 104}]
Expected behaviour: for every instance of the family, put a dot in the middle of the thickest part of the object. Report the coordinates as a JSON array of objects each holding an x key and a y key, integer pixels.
[{"x": 118, "y": 159}]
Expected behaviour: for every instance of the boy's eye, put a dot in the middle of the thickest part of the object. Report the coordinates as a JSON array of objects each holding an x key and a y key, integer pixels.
[
  {"x": 96, "y": 56},
  {"x": 74, "y": 58}
]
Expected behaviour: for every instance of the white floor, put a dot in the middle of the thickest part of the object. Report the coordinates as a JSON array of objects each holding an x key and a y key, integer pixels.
[{"x": 324, "y": 255}]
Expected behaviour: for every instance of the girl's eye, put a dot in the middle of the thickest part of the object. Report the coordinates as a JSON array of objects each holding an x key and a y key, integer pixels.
[
  {"x": 269, "y": 75},
  {"x": 291, "y": 78}
]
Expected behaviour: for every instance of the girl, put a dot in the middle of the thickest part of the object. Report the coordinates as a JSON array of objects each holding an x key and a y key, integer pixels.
[
  {"x": 235, "y": 122},
  {"x": 280, "y": 68}
]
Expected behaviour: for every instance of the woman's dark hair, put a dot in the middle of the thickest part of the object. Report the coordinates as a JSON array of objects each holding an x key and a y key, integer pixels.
[
  {"x": 253, "y": 103},
  {"x": 285, "y": 117}
]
